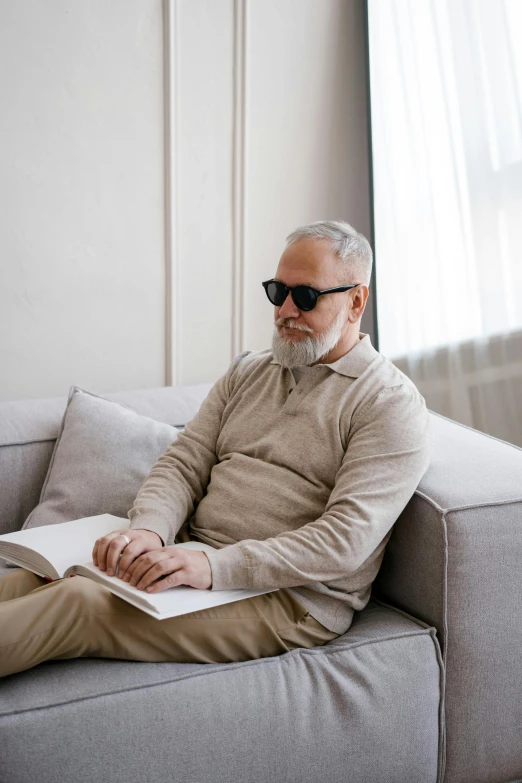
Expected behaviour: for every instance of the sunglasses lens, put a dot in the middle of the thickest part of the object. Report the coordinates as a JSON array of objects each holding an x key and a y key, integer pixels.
[
  {"x": 304, "y": 297},
  {"x": 276, "y": 293}
]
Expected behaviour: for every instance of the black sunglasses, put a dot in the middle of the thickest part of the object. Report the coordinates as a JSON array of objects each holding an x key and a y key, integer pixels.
[{"x": 304, "y": 296}]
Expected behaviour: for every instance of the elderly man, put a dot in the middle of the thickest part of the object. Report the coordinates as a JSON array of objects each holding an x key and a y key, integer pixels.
[{"x": 294, "y": 469}]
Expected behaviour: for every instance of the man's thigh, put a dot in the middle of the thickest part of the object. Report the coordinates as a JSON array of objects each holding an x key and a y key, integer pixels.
[
  {"x": 77, "y": 617},
  {"x": 258, "y": 627}
]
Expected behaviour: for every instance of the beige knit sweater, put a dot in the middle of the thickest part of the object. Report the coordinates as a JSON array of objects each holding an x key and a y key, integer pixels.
[{"x": 296, "y": 485}]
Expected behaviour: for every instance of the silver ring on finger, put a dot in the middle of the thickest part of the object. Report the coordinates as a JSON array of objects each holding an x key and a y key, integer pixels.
[{"x": 127, "y": 539}]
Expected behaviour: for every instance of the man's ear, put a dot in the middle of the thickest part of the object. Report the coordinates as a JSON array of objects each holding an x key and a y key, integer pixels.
[{"x": 359, "y": 300}]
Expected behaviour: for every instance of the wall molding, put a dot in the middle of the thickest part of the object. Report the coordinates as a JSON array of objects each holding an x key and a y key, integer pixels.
[
  {"x": 239, "y": 177},
  {"x": 170, "y": 135},
  {"x": 215, "y": 59}
]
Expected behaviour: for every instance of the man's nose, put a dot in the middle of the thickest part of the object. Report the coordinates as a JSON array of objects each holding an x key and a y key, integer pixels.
[{"x": 288, "y": 309}]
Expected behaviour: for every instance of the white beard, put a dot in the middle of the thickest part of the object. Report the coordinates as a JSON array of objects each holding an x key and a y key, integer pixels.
[{"x": 307, "y": 350}]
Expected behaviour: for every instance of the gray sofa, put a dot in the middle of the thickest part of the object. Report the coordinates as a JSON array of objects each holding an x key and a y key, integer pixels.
[{"x": 425, "y": 687}]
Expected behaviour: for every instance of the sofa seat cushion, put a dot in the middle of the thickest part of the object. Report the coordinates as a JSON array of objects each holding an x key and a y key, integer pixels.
[{"x": 367, "y": 706}]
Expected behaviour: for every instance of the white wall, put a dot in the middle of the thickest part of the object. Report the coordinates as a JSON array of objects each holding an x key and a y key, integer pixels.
[
  {"x": 81, "y": 196},
  {"x": 115, "y": 277}
]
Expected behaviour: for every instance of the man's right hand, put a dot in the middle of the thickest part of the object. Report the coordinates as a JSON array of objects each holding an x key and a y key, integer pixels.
[{"x": 107, "y": 550}]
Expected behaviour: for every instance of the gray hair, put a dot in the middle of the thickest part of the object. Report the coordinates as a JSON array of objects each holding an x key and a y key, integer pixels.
[{"x": 352, "y": 248}]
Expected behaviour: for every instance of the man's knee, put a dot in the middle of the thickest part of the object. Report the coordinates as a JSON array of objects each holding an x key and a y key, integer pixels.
[{"x": 17, "y": 583}]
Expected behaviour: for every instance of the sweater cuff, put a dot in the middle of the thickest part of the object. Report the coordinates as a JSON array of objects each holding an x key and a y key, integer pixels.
[
  {"x": 153, "y": 523},
  {"x": 230, "y": 570}
]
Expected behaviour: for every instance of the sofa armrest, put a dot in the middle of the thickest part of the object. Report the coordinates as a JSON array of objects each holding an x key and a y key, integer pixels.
[
  {"x": 461, "y": 529},
  {"x": 454, "y": 560}
]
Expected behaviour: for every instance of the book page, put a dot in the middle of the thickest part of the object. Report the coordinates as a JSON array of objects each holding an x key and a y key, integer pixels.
[{"x": 67, "y": 543}]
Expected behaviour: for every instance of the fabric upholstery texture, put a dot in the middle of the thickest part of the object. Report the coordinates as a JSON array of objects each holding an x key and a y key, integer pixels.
[
  {"x": 29, "y": 428},
  {"x": 103, "y": 452},
  {"x": 454, "y": 561},
  {"x": 365, "y": 707}
]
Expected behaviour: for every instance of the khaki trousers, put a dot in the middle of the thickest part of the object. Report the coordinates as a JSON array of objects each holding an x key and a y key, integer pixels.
[{"x": 78, "y": 618}]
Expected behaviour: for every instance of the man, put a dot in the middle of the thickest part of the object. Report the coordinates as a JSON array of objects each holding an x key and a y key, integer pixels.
[{"x": 294, "y": 469}]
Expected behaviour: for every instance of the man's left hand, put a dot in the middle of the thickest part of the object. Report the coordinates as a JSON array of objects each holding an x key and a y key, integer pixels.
[{"x": 168, "y": 567}]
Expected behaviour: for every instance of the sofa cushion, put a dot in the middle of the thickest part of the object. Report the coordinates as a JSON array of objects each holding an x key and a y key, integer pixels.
[
  {"x": 103, "y": 453},
  {"x": 28, "y": 431},
  {"x": 365, "y": 707}
]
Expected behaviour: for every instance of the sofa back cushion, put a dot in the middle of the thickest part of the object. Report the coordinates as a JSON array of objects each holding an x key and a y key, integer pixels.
[
  {"x": 29, "y": 429},
  {"x": 103, "y": 453}
]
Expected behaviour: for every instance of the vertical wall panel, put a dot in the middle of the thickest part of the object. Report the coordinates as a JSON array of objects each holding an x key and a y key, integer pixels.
[
  {"x": 81, "y": 197},
  {"x": 272, "y": 133},
  {"x": 306, "y": 130},
  {"x": 205, "y": 37},
  {"x": 147, "y": 192}
]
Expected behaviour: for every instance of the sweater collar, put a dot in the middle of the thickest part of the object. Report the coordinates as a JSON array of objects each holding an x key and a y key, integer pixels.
[{"x": 355, "y": 361}]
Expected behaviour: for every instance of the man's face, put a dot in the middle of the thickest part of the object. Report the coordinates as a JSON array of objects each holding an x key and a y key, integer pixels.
[{"x": 305, "y": 337}]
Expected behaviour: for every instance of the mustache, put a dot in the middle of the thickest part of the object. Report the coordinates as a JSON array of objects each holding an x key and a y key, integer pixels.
[{"x": 288, "y": 322}]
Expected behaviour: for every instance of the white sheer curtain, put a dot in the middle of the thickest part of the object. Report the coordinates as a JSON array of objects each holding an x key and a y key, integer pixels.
[{"x": 446, "y": 102}]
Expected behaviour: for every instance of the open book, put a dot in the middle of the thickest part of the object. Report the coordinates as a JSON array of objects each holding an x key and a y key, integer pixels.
[{"x": 57, "y": 551}]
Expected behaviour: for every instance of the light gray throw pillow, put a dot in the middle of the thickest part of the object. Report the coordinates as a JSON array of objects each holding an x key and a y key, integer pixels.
[{"x": 103, "y": 453}]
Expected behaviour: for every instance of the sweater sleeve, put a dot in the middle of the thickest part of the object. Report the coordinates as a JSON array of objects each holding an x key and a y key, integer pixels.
[
  {"x": 179, "y": 478},
  {"x": 387, "y": 454}
]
